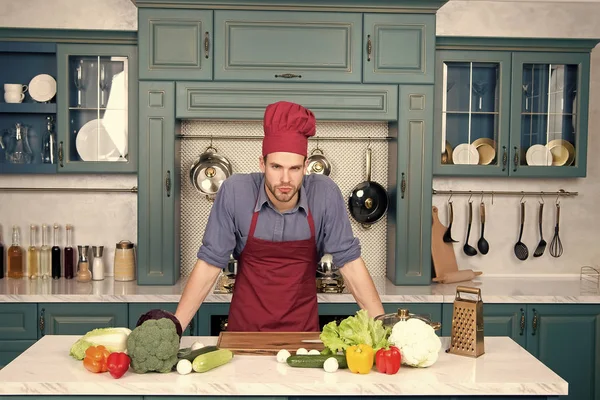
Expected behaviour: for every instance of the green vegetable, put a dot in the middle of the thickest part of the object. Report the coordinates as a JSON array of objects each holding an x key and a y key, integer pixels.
[
  {"x": 189, "y": 354},
  {"x": 355, "y": 330},
  {"x": 153, "y": 346},
  {"x": 314, "y": 361},
  {"x": 114, "y": 339},
  {"x": 214, "y": 359}
]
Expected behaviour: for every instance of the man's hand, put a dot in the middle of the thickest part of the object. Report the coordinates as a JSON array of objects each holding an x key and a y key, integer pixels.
[
  {"x": 200, "y": 282},
  {"x": 360, "y": 284}
]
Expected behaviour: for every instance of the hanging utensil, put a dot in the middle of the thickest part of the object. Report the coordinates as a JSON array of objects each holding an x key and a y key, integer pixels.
[
  {"x": 467, "y": 248},
  {"x": 542, "y": 245},
  {"x": 521, "y": 250},
  {"x": 208, "y": 173},
  {"x": 318, "y": 163},
  {"x": 448, "y": 234},
  {"x": 368, "y": 201},
  {"x": 482, "y": 244},
  {"x": 556, "y": 248}
]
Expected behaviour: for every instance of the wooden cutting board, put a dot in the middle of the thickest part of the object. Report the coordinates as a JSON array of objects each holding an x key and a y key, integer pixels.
[
  {"x": 442, "y": 253},
  {"x": 267, "y": 343}
]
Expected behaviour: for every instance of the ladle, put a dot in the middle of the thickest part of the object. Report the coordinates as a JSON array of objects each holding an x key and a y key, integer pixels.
[
  {"x": 542, "y": 245},
  {"x": 448, "y": 234},
  {"x": 482, "y": 244},
  {"x": 467, "y": 248}
]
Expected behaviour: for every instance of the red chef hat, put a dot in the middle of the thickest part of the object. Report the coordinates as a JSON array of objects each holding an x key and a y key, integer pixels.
[{"x": 287, "y": 128}]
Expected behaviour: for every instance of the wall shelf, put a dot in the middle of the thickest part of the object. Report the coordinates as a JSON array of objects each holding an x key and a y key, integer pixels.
[{"x": 28, "y": 108}]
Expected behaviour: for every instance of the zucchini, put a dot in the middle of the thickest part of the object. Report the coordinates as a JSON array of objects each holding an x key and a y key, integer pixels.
[
  {"x": 315, "y": 361},
  {"x": 190, "y": 355},
  {"x": 206, "y": 362}
]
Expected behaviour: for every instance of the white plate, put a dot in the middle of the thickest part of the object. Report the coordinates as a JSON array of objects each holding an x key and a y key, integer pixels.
[
  {"x": 465, "y": 154},
  {"x": 42, "y": 88},
  {"x": 94, "y": 144},
  {"x": 538, "y": 155}
]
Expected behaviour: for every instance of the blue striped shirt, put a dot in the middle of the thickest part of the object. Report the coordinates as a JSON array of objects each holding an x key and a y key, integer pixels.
[{"x": 241, "y": 194}]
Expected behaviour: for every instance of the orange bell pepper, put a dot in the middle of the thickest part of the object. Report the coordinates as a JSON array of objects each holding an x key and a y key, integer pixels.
[
  {"x": 95, "y": 359},
  {"x": 360, "y": 358}
]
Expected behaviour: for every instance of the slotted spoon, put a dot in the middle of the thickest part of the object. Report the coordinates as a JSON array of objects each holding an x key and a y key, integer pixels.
[
  {"x": 521, "y": 250},
  {"x": 542, "y": 245}
]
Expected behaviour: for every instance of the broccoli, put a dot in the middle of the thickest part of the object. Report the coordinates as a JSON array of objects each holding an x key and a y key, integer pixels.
[{"x": 153, "y": 346}]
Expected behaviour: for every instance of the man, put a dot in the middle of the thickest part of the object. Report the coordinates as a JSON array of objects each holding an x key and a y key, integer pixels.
[{"x": 277, "y": 223}]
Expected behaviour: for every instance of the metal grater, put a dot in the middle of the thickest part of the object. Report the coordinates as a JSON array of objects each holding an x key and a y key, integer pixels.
[{"x": 467, "y": 324}]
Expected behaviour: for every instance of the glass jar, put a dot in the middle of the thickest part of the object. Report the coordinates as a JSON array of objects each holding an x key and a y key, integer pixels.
[
  {"x": 389, "y": 320},
  {"x": 124, "y": 261}
]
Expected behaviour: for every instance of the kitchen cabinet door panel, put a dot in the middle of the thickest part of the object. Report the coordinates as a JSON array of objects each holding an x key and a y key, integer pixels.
[
  {"x": 566, "y": 338},
  {"x": 18, "y": 321},
  {"x": 288, "y": 46},
  {"x": 80, "y": 318}
]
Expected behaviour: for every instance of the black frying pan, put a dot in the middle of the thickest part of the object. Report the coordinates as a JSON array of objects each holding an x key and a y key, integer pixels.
[{"x": 369, "y": 200}]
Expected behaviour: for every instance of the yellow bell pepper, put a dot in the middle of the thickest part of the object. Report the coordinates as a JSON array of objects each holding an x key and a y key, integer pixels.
[{"x": 360, "y": 358}]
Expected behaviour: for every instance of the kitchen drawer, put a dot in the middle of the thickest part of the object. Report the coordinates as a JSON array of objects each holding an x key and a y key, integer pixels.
[
  {"x": 18, "y": 321},
  {"x": 137, "y": 309},
  {"x": 11, "y": 349}
]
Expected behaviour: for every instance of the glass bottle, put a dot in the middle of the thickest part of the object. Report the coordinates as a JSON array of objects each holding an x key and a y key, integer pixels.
[
  {"x": 18, "y": 150},
  {"x": 69, "y": 254},
  {"x": 55, "y": 255},
  {"x": 83, "y": 266},
  {"x": 49, "y": 142},
  {"x": 15, "y": 256},
  {"x": 45, "y": 255},
  {"x": 33, "y": 255},
  {"x": 1, "y": 256}
]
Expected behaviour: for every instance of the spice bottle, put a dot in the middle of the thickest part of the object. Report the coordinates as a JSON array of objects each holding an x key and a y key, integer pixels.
[
  {"x": 83, "y": 266},
  {"x": 97, "y": 263},
  {"x": 124, "y": 261}
]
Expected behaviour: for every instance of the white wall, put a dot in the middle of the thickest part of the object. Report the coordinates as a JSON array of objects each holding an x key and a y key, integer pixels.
[{"x": 468, "y": 18}]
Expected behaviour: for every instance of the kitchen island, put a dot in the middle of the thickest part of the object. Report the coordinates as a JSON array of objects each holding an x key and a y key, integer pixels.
[{"x": 506, "y": 369}]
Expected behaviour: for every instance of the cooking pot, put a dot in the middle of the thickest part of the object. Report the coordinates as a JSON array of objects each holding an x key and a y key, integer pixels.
[
  {"x": 389, "y": 320},
  {"x": 318, "y": 164},
  {"x": 369, "y": 200},
  {"x": 208, "y": 173}
]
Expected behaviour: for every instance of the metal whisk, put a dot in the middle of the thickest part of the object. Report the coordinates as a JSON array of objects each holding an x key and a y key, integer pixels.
[{"x": 556, "y": 248}]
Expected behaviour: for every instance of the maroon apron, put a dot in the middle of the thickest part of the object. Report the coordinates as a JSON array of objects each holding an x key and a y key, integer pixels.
[{"x": 275, "y": 287}]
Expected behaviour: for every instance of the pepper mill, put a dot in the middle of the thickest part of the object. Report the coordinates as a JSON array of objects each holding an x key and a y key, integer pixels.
[
  {"x": 83, "y": 267},
  {"x": 97, "y": 263}
]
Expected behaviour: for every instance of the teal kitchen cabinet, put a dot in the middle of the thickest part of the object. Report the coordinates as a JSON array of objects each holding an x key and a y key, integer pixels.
[
  {"x": 97, "y": 108},
  {"x": 212, "y": 319},
  {"x": 410, "y": 180},
  {"x": 287, "y": 46},
  {"x": 137, "y": 309},
  {"x": 158, "y": 186},
  {"x": 512, "y": 107},
  {"x": 80, "y": 318},
  {"x": 400, "y": 48},
  {"x": 18, "y": 329},
  {"x": 175, "y": 44}
]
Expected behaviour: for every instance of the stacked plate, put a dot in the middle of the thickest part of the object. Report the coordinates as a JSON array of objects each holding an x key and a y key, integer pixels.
[
  {"x": 486, "y": 149},
  {"x": 557, "y": 152}
]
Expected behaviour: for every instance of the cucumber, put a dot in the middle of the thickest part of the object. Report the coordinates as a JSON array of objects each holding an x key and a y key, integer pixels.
[
  {"x": 315, "y": 361},
  {"x": 206, "y": 362},
  {"x": 190, "y": 355}
]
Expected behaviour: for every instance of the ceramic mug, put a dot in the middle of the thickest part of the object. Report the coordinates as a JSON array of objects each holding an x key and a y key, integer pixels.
[
  {"x": 15, "y": 88},
  {"x": 14, "y": 97}
]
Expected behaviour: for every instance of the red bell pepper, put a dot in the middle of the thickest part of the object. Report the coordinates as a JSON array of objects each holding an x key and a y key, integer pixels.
[
  {"x": 118, "y": 364},
  {"x": 388, "y": 360}
]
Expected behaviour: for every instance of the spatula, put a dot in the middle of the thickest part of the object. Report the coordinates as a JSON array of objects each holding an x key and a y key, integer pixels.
[
  {"x": 521, "y": 250},
  {"x": 542, "y": 245}
]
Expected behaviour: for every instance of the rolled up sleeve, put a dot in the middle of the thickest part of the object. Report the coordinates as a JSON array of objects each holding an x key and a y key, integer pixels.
[
  {"x": 219, "y": 236},
  {"x": 339, "y": 239}
]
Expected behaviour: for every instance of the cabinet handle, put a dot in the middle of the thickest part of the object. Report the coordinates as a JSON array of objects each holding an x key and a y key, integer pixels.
[
  {"x": 42, "y": 322},
  {"x": 287, "y": 76},
  {"x": 369, "y": 47},
  {"x": 168, "y": 183},
  {"x": 534, "y": 323},
  {"x": 504, "y": 158},
  {"x": 206, "y": 44},
  {"x": 522, "y": 322},
  {"x": 403, "y": 185},
  {"x": 516, "y": 159},
  {"x": 60, "y": 153}
]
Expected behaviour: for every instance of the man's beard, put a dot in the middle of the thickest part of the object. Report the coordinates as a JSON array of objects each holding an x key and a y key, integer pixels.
[{"x": 282, "y": 197}]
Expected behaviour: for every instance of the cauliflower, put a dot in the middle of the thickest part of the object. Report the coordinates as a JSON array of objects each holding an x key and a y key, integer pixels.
[
  {"x": 417, "y": 342},
  {"x": 153, "y": 346}
]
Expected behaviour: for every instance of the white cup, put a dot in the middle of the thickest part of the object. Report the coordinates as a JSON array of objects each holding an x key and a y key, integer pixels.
[
  {"x": 15, "y": 88},
  {"x": 14, "y": 97}
]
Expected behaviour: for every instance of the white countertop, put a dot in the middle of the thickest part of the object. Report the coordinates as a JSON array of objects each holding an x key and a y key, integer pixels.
[
  {"x": 541, "y": 289},
  {"x": 505, "y": 369}
]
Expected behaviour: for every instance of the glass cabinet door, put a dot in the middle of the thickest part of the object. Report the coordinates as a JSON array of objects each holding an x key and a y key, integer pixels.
[
  {"x": 96, "y": 135},
  {"x": 547, "y": 110},
  {"x": 472, "y": 135}
]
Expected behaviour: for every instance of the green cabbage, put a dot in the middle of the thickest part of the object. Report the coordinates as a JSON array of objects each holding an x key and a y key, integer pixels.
[
  {"x": 114, "y": 339},
  {"x": 357, "y": 329}
]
